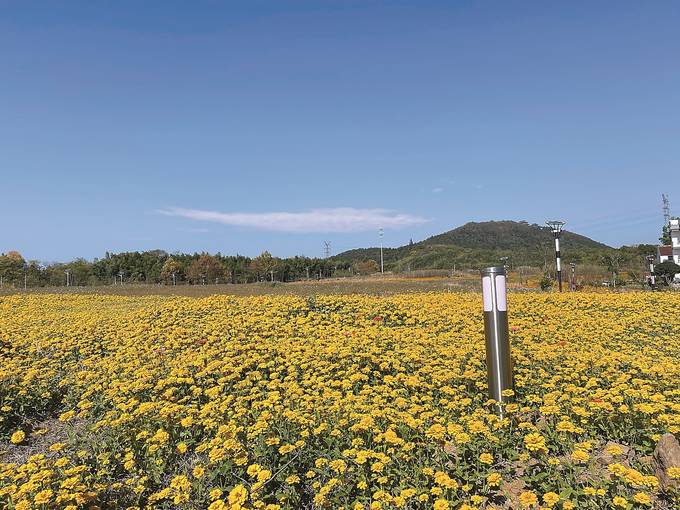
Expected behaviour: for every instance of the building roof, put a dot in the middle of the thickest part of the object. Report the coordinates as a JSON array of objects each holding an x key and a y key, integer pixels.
[{"x": 665, "y": 250}]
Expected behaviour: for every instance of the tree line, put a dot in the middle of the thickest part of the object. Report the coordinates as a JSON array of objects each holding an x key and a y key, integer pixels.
[{"x": 160, "y": 267}]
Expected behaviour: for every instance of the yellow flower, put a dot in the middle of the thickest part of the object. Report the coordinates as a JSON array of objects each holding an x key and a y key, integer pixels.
[
  {"x": 67, "y": 416},
  {"x": 43, "y": 497},
  {"x": 18, "y": 437},
  {"x": 237, "y": 495},
  {"x": 486, "y": 458},
  {"x": 620, "y": 502},
  {"x": 494, "y": 479},
  {"x": 441, "y": 504},
  {"x": 550, "y": 499},
  {"x": 534, "y": 442},
  {"x": 642, "y": 498},
  {"x": 614, "y": 449},
  {"x": 617, "y": 469},
  {"x": 528, "y": 499},
  {"x": 198, "y": 472},
  {"x": 580, "y": 456}
]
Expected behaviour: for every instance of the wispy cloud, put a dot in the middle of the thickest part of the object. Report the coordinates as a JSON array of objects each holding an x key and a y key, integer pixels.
[
  {"x": 437, "y": 190},
  {"x": 344, "y": 219}
]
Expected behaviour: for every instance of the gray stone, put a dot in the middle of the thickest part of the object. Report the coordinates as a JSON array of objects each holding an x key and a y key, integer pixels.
[{"x": 666, "y": 455}]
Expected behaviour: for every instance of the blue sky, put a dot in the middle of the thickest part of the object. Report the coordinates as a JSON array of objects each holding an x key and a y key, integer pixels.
[{"x": 244, "y": 126}]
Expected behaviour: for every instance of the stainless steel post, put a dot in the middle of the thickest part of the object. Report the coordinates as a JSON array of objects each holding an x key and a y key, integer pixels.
[{"x": 498, "y": 360}]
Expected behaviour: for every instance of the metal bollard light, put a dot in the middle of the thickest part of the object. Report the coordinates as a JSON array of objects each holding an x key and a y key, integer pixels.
[{"x": 498, "y": 360}]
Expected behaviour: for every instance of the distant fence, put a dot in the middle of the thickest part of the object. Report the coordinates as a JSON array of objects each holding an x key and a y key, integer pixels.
[{"x": 427, "y": 273}]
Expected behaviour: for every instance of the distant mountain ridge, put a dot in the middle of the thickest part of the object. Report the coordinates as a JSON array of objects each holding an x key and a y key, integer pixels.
[
  {"x": 482, "y": 243},
  {"x": 508, "y": 235}
]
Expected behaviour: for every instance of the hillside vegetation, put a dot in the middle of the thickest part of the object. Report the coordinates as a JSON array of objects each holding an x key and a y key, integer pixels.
[{"x": 478, "y": 244}]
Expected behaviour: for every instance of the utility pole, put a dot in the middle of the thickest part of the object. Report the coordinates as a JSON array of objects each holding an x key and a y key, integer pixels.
[
  {"x": 271, "y": 275},
  {"x": 556, "y": 227},
  {"x": 327, "y": 249},
  {"x": 68, "y": 277},
  {"x": 572, "y": 282},
  {"x": 381, "y": 233}
]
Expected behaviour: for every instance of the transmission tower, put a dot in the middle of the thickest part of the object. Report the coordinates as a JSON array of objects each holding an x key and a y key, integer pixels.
[
  {"x": 327, "y": 249},
  {"x": 666, "y": 209}
]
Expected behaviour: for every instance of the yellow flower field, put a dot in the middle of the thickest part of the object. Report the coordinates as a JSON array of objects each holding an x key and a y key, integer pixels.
[{"x": 350, "y": 402}]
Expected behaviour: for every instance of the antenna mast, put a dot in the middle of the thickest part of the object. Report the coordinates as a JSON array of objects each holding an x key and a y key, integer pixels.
[{"x": 666, "y": 209}]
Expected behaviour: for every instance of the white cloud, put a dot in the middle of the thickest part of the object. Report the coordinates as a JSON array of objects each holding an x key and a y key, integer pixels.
[
  {"x": 437, "y": 190},
  {"x": 344, "y": 219}
]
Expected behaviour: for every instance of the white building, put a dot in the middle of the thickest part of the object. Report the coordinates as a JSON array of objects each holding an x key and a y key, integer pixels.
[{"x": 672, "y": 251}]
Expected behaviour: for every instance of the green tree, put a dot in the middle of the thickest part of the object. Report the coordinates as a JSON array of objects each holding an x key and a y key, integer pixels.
[
  {"x": 666, "y": 271},
  {"x": 262, "y": 265},
  {"x": 12, "y": 267},
  {"x": 367, "y": 267},
  {"x": 665, "y": 238},
  {"x": 613, "y": 264}
]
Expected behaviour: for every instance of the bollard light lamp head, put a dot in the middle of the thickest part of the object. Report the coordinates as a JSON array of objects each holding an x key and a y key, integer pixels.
[
  {"x": 555, "y": 226},
  {"x": 494, "y": 270}
]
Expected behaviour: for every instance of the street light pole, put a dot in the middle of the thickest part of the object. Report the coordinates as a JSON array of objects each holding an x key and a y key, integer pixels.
[
  {"x": 652, "y": 279},
  {"x": 382, "y": 265},
  {"x": 556, "y": 227},
  {"x": 504, "y": 260}
]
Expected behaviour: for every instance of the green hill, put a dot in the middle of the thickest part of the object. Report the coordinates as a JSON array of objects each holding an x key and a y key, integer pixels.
[{"x": 475, "y": 245}]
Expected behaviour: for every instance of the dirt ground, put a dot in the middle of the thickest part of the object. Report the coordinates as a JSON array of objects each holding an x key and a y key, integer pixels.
[{"x": 374, "y": 286}]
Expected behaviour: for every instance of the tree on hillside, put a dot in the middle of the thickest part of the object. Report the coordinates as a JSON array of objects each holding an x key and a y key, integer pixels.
[
  {"x": 613, "y": 264},
  {"x": 81, "y": 271},
  {"x": 665, "y": 238},
  {"x": 366, "y": 267},
  {"x": 12, "y": 267},
  {"x": 236, "y": 266},
  {"x": 263, "y": 264},
  {"x": 171, "y": 267},
  {"x": 205, "y": 269},
  {"x": 666, "y": 271}
]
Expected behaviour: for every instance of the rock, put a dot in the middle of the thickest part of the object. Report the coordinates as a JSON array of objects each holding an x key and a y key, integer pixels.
[
  {"x": 512, "y": 490},
  {"x": 604, "y": 458},
  {"x": 666, "y": 455},
  {"x": 647, "y": 460}
]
